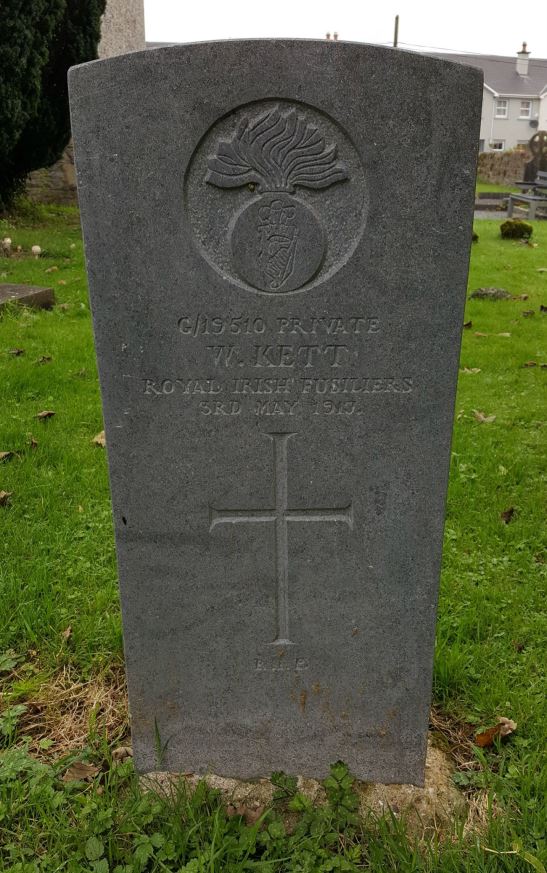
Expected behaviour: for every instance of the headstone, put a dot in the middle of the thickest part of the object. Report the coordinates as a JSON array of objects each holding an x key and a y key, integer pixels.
[
  {"x": 27, "y": 295},
  {"x": 277, "y": 237}
]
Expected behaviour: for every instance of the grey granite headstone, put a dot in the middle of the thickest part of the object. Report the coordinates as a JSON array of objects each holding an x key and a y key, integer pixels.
[{"x": 277, "y": 238}]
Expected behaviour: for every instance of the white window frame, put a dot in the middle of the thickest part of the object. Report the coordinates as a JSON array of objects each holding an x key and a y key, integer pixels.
[
  {"x": 494, "y": 143},
  {"x": 525, "y": 113},
  {"x": 502, "y": 111}
]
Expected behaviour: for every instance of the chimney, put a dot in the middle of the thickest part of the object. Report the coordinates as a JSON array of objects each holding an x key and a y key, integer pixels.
[{"x": 522, "y": 60}]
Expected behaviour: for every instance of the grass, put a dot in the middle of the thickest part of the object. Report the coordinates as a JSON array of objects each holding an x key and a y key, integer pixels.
[
  {"x": 483, "y": 187},
  {"x": 60, "y": 633}
]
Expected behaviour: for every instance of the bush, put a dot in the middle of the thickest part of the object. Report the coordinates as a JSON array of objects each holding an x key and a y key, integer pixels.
[
  {"x": 516, "y": 228},
  {"x": 39, "y": 41}
]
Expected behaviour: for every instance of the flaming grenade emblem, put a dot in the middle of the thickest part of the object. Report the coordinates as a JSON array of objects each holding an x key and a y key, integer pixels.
[{"x": 277, "y": 241}]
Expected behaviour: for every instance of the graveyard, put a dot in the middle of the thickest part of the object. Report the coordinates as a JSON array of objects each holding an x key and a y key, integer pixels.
[
  {"x": 69, "y": 795},
  {"x": 272, "y": 450}
]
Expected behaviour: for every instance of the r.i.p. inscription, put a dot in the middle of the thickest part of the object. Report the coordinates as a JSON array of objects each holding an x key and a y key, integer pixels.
[{"x": 277, "y": 338}]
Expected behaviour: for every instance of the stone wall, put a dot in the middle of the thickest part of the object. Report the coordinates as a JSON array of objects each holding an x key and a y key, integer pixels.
[
  {"x": 56, "y": 184},
  {"x": 122, "y": 30},
  {"x": 503, "y": 168}
]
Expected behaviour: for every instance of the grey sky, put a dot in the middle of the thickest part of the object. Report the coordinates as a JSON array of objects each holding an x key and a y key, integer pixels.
[{"x": 465, "y": 25}]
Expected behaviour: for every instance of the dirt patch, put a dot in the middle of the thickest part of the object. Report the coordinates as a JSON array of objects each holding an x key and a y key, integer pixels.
[
  {"x": 66, "y": 710},
  {"x": 430, "y": 810}
]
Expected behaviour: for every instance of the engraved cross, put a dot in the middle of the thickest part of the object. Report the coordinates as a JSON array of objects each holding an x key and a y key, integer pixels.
[{"x": 280, "y": 515}]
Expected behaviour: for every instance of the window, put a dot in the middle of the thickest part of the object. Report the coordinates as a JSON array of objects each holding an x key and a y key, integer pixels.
[
  {"x": 525, "y": 109},
  {"x": 497, "y": 145},
  {"x": 501, "y": 108}
]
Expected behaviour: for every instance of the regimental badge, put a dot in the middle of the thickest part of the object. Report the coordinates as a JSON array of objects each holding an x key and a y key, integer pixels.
[{"x": 277, "y": 242}]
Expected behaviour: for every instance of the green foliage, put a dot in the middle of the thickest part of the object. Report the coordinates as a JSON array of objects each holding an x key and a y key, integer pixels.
[
  {"x": 342, "y": 798},
  {"x": 39, "y": 41},
  {"x": 57, "y": 569},
  {"x": 516, "y": 228}
]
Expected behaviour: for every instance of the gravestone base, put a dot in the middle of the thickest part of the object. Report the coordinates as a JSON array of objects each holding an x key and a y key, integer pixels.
[
  {"x": 27, "y": 295},
  {"x": 426, "y": 810}
]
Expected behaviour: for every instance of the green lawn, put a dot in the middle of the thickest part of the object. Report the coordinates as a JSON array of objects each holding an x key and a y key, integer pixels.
[
  {"x": 60, "y": 622},
  {"x": 482, "y": 187}
]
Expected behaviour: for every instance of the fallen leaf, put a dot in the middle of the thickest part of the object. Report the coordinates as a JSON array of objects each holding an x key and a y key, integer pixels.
[
  {"x": 467, "y": 324},
  {"x": 503, "y": 334},
  {"x": 250, "y": 815},
  {"x": 478, "y": 333},
  {"x": 47, "y": 413},
  {"x": 503, "y": 728},
  {"x": 521, "y": 297},
  {"x": 33, "y": 443},
  {"x": 61, "y": 282},
  {"x": 44, "y": 359},
  {"x": 5, "y": 497},
  {"x": 471, "y": 370},
  {"x": 16, "y": 352},
  {"x": 5, "y": 456},
  {"x": 542, "y": 269},
  {"x": 490, "y": 294},
  {"x": 100, "y": 439},
  {"x": 81, "y": 771},
  {"x": 526, "y": 313},
  {"x": 482, "y": 418},
  {"x": 51, "y": 270},
  {"x": 530, "y": 364},
  {"x": 67, "y": 633},
  {"x": 519, "y": 647},
  {"x": 80, "y": 509},
  {"x": 63, "y": 306},
  {"x": 122, "y": 753},
  {"x": 507, "y": 514}
]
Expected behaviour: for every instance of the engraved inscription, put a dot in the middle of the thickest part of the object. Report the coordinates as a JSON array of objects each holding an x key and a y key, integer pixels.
[
  {"x": 296, "y": 665},
  {"x": 280, "y": 515},
  {"x": 280, "y": 396},
  {"x": 203, "y": 324}
]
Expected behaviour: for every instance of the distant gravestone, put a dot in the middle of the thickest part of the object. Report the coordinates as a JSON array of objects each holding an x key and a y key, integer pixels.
[
  {"x": 277, "y": 290},
  {"x": 34, "y": 296}
]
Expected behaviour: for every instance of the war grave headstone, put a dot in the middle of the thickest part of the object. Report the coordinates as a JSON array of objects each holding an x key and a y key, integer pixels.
[{"x": 277, "y": 236}]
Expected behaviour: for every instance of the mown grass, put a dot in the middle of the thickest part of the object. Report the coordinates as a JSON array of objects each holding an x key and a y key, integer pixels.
[
  {"x": 59, "y": 604},
  {"x": 486, "y": 187}
]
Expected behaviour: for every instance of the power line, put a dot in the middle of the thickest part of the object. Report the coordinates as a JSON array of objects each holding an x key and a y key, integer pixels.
[{"x": 496, "y": 58}]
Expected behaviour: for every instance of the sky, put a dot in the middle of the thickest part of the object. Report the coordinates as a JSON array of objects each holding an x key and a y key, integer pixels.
[{"x": 478, "y": 26}]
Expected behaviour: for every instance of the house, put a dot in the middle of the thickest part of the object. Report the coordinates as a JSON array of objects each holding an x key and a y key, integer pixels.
[{"x": 514, "y": 102}]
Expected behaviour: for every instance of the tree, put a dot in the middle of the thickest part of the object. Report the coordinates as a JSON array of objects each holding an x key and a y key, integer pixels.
[{"x": 39, "y": 41}]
